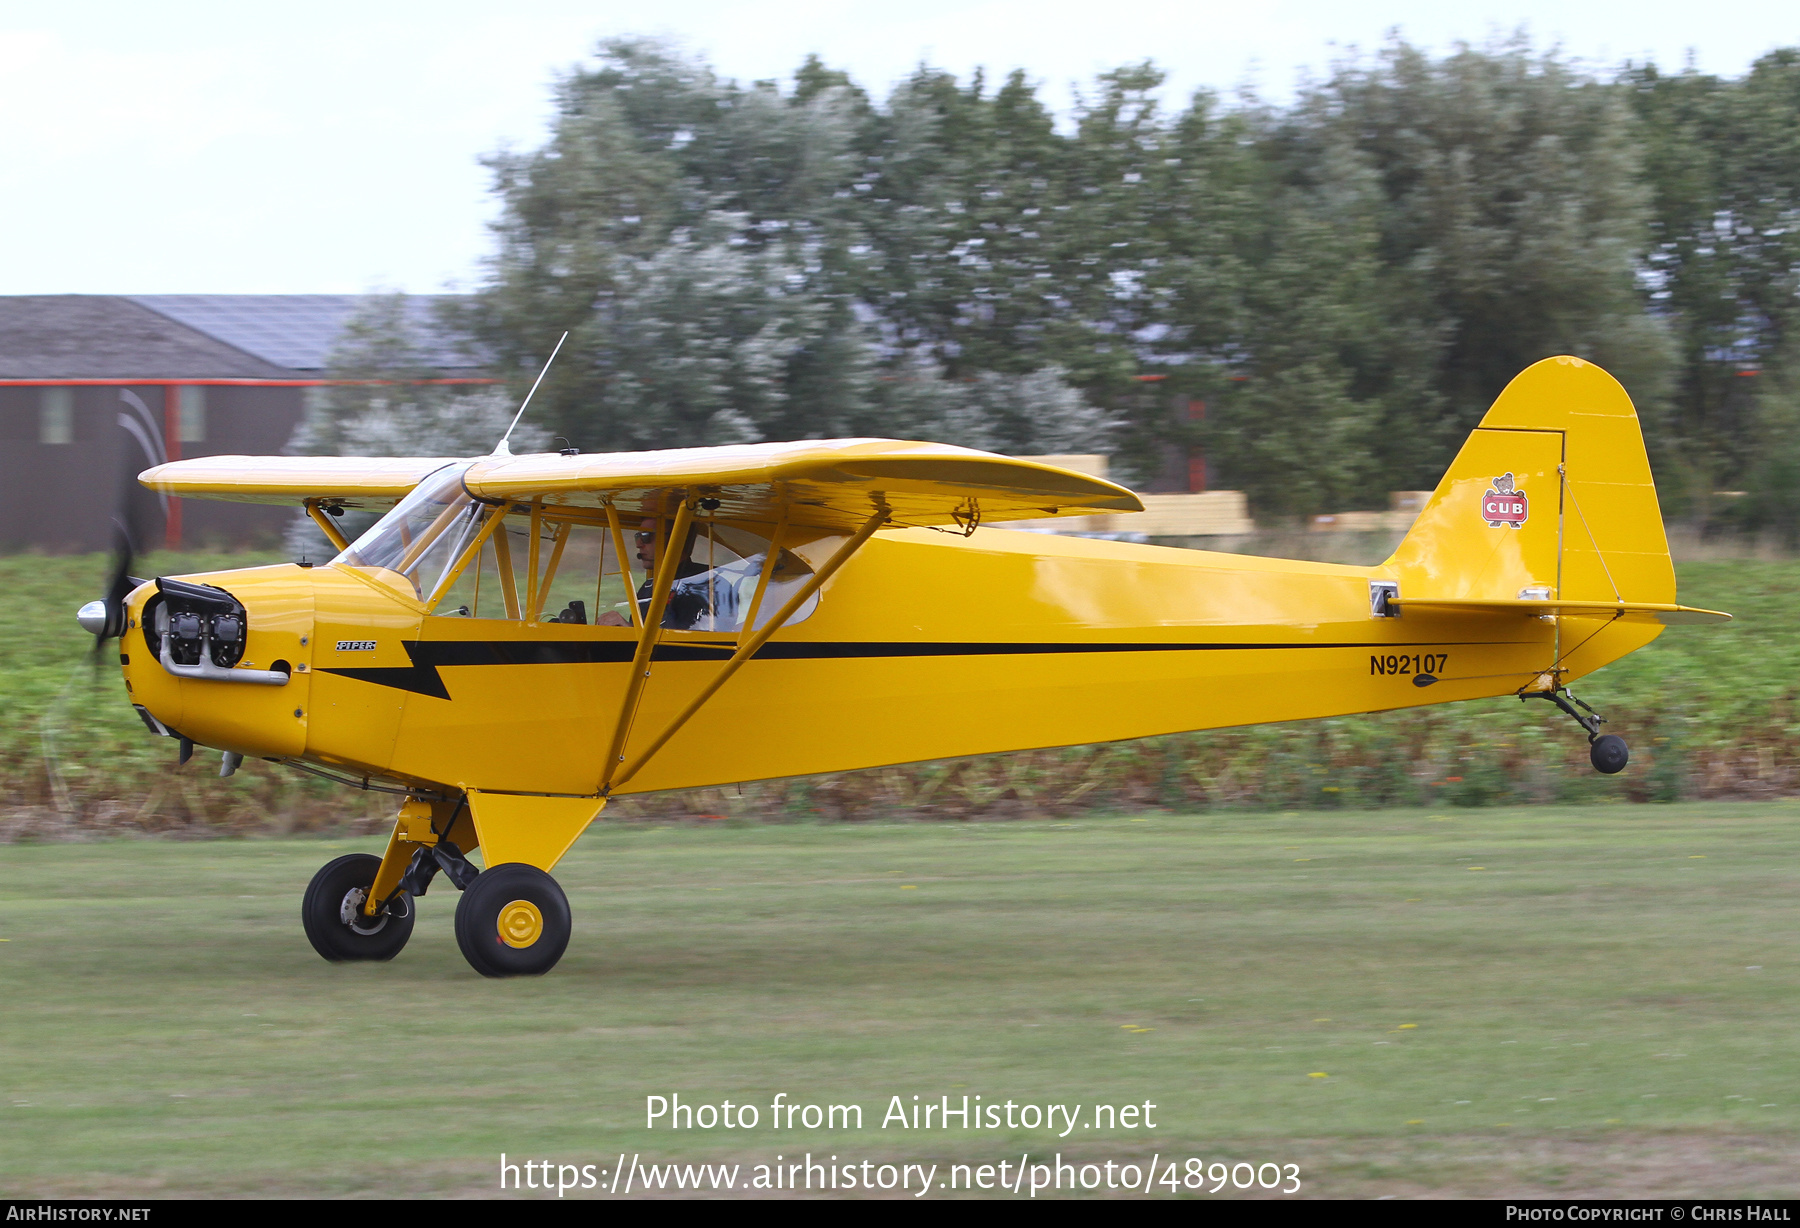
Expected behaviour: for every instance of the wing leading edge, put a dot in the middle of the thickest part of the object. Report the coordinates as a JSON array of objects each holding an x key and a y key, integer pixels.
[{"x": 352, "y": 481}]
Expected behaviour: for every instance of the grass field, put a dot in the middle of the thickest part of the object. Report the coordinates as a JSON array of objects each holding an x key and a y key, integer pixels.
[{"x": 1542, "y": 1000}]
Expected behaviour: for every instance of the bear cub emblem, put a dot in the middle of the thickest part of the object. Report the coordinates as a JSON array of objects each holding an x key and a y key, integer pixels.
[{"x": 1504, "y": 505}]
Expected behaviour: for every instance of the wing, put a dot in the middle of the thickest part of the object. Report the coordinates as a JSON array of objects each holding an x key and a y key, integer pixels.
[
  {"x": 829, "y": 484},
  {"x": 350, "y": 481}
]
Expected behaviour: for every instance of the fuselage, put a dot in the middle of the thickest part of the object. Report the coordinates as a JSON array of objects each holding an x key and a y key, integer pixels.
[{"x": 924, "y": 646}]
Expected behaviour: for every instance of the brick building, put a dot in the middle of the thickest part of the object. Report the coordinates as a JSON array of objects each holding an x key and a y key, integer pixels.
[{"x": 193, "y": 374}]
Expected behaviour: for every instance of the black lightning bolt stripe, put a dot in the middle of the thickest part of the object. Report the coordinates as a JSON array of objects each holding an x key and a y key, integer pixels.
[{"x": 428, "y": 656}]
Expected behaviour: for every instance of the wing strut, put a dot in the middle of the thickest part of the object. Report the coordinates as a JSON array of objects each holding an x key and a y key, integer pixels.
[
  {"x": 669, "y": 564},
  {"x": 326, "y": 523},
  {"x": 745, "y": 651},
  {"x": 618, "y": 537}
]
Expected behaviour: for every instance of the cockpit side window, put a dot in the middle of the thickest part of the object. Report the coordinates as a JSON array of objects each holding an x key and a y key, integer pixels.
[
  {"x": 558, "y": 564},
  {"x": 576, "y": 574}
]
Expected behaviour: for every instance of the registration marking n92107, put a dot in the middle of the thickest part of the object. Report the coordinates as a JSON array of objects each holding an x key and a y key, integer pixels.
[{"x": 1409, "y": 663}]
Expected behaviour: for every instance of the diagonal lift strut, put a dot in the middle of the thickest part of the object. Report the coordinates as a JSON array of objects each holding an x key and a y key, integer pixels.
[{"x": 745, "y": 650}]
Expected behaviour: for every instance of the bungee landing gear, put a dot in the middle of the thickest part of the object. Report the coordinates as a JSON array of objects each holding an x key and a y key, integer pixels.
[
  {"x": 1606, "y": 751},
  {"x": 512, "y": 920}
]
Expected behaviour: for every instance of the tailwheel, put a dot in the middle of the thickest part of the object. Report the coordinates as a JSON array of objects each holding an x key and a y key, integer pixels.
[
  {"x": 513, "y": 920},
  {"x": 333, "y": 915},
  {"x": 1606, "y": 751},
  {"x": 1609, "y": 753}
]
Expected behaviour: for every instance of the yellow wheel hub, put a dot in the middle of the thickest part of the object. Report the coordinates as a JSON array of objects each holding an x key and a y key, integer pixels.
[{"x": 521, "y": 924}]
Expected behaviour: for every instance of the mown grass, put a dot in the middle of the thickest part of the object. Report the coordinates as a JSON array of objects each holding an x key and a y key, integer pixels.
[
  {"x": 1549, "y": 1000},
  {"x": 1709, "y": 712}
]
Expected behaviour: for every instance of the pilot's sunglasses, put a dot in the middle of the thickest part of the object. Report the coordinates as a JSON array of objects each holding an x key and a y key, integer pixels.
[{"x": 643, "y": 538}]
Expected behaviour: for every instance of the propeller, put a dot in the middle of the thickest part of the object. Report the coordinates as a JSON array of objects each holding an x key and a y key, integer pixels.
[{"x": 132, "y": 521}]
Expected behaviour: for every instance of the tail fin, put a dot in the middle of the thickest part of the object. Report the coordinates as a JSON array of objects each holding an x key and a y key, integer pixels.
[{"x": 1550, "y": 498}]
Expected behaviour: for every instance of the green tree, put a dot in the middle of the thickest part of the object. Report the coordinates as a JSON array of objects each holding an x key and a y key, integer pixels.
[
  {"x": 699, "y": 342},
  {"x": 962, "y": 202},
  {"x": 737, "y": 263},
  {"x": 1513, "y": 226},
  {"x": 1298, "y": 429},
  {"x": 663, "y": 189},
  {"x": 1722, "y": 161},
  {"x": 1345, "y": 282}
]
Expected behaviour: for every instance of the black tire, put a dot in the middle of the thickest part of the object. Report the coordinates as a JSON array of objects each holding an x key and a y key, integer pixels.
[
  {"x": 339, "y": 888},
  {"x": 513, "y": 921},
  {"x": 1609, "y": 754}
]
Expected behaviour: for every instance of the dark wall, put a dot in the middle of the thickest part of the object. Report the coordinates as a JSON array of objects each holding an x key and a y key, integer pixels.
[{"x": 61, "y": 497}]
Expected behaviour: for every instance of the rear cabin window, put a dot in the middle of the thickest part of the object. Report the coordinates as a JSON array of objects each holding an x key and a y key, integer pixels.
[{"x": 724, "y": 566}]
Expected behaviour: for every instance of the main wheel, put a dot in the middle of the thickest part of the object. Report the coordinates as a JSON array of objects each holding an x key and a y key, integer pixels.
[
  {"x": 333, "y": 917},
  {"x": 1609, "y": 754},
  {"x": 513, "y": 921}
]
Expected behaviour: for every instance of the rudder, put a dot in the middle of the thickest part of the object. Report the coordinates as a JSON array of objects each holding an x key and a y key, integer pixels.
[{"x": 1551, "y": 496}]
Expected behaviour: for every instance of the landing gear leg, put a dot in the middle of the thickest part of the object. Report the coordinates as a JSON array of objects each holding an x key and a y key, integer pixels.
[
  {"x": 427, "y": 861},
  {"x": 362, "y": 907},
  {"x": 1606, "y": 751}
]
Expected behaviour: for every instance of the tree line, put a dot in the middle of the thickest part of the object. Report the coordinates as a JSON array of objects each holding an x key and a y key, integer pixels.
[{"x": 1321, "y": 297}]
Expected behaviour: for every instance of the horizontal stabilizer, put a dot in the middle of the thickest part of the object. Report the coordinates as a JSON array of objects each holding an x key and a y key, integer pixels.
[{"x": 1630, "y": 611}]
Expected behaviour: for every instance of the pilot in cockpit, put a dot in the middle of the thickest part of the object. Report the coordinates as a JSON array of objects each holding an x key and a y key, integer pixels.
[{"x": 685, "y": 607}]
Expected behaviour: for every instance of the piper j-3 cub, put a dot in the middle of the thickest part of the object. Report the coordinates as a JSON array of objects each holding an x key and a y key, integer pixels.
[{"x": 521, "y": 638}]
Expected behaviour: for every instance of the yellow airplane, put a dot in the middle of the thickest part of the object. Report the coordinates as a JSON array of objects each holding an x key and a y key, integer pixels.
[{"x": 792, "y": 608}]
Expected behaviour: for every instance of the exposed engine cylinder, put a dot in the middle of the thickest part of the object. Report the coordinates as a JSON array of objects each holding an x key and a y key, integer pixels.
[{"x": 195, "y": 618}]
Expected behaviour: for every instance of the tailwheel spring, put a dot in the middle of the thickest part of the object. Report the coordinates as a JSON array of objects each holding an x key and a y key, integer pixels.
[{"x": 1606, "y": 751}]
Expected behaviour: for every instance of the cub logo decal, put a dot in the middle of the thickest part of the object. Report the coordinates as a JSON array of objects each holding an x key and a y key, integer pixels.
[{"x": 1504, "y": 505}]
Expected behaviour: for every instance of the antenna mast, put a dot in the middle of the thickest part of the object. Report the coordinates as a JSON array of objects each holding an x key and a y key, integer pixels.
[{"x": 500, "y": 449}]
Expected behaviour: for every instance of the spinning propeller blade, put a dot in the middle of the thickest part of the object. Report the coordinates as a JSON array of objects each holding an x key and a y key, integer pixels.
[{"x": 134, "y": 517}]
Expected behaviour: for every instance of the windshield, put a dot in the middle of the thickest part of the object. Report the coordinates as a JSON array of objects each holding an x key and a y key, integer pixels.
[{"x": 422, "y": 538}]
